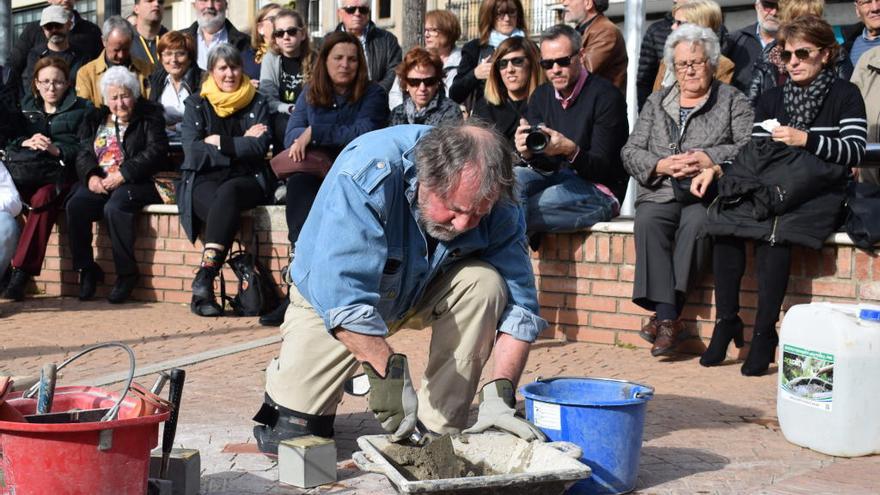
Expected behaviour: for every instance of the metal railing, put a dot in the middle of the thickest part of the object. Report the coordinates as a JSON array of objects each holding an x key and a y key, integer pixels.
[{"x": 540, "y": 14}]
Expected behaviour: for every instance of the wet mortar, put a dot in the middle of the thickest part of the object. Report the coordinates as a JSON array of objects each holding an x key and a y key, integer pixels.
[{"x": 434, "y": 461}]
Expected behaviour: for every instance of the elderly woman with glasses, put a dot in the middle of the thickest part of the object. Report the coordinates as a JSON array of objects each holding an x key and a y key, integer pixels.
[
  {"x": 442, "y": 31},
  {"x": 498, "y": 20},
  {"x": 515, "y": 75},
  {"x": 122, "y": 144},
  {"x": 807, "y": 135},
  {"x": 225, "y": 137},
  {"x": 695, "y": 124},
  {"x": 420, "y": 74},
  {"x": 53, "y": 115}
]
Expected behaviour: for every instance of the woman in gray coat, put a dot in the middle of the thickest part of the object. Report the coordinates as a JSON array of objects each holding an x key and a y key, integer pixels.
[{"x": 695, "y": 124}]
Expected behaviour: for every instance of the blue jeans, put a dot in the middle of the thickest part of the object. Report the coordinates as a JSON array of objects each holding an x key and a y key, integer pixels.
[
  {"x": 8, "y": 240},
  {"x": 560, "y": 201}
]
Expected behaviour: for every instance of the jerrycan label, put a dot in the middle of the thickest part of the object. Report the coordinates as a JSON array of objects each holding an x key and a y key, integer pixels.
[{"x": 807, "y": 377}]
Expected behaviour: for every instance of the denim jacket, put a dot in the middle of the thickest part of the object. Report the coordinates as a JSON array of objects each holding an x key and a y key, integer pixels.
[{"x": 362, "y": 259}]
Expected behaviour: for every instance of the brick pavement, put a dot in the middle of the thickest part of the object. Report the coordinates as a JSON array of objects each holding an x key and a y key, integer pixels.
[{"x": 707, "y": 430}]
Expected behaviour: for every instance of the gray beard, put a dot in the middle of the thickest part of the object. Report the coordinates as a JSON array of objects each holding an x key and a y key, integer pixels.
[
  {"x": 441, "y": 232},
  {"x": 769, "y": 29},
  {"x": 212, "y": 23}
]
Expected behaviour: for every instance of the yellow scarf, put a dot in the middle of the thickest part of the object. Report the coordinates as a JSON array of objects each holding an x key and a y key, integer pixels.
[{"x": 226, "y": 104}]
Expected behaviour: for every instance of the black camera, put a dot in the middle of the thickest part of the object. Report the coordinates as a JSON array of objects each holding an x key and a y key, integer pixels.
[{"x": 536, "y": 140}]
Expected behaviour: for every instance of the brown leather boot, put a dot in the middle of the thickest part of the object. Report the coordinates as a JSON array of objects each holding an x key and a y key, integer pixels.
[
  {"x": 649, "y": 331},
  {"x": 668, "y": 336}
]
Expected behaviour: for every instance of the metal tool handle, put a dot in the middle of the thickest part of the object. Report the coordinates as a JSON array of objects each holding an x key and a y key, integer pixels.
[
  {"x": 175, "y": 393},
  {"x": 46, "y": 388}
]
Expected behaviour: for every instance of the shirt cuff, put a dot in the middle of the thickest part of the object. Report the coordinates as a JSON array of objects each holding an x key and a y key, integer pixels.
[
  {"x": 522, "y": 324},
  {"x": 358, "y": 318}
]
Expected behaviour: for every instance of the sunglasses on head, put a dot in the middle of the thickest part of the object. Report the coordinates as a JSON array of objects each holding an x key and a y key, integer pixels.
[
  {"x": 515, "y": 61},
  {"x": 415, "y": 82},
  {"x": 548, "y": 63},
  {"x": 800, "y": 53},
  {"x": 363, "y": 10},
  {"x": 291, "y": 31}
]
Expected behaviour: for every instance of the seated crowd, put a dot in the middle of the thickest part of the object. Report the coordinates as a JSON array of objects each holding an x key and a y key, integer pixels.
[{"x": 101, "y": 112}]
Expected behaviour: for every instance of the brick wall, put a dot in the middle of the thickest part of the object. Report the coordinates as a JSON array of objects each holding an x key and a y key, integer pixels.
[{"x": 584, "y": 280}]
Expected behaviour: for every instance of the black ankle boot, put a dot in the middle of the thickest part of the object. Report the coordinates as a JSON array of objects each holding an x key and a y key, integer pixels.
[
  {"x": 88, "y": 281},
  {"x": 275, "y": 317},
  {"x": 280, "y": 423},
  {"x": 203, "y": 301},
  {"x": 761, "y": 353},
  {"x": 725, "y": 331},
  {"x": 17, "y": 283},
  {"x": 122, "y": 288}
]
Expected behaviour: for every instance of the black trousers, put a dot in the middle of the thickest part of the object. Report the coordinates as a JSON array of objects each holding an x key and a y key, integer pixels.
[
  {"x": 279, "y": 128},
  {"x": 120, "y": 209},
  {"x": 301, "y": 192},
  {"x": 773, "y": 266},
  {"x": 218, "y": 202}
]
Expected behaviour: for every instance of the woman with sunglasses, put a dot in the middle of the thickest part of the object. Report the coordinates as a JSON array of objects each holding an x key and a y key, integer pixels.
[
  {"x": 498, "y": 20},
  {"x": 707, "y": 122},
  {"x": 442, "y": 31},
  {"x": 261, "y": 42},
  {"x": 285, "y": 69},
  {"x": 816, "y": 113},
  {"x": 420, "y": 75},
  {"x": 769, "y": 72},
  {"x": 514, "y": 77}
]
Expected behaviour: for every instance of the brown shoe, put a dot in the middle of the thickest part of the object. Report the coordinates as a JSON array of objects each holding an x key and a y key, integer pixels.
[
  {"x": 649, "y": 331},
  {"x": 668, "y": 336}
]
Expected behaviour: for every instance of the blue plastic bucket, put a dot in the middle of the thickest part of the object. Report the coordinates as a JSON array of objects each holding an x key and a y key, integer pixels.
[{"x": 605, "y": 417}]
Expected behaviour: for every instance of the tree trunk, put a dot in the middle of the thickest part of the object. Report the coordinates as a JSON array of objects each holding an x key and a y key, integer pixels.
[{"x": 413, "y": 24}]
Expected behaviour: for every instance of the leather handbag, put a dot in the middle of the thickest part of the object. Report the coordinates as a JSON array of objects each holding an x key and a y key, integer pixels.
[
  {"x": 31, "y": 168},
  {"x": 317, "y": 162}
]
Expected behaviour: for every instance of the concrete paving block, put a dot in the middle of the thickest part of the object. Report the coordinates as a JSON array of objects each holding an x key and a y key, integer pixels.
[
  {"x": 307, "y": 461},
  {"x": 184, "y": 470}
]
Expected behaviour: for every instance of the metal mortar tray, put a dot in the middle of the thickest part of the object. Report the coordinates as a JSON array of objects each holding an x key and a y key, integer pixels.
[{"x": 524, "y": 467}]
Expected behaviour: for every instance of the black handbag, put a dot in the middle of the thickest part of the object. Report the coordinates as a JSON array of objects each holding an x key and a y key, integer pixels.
[
  {"x": 31, "y": 168},
  {"x": 863, "y": 215}
]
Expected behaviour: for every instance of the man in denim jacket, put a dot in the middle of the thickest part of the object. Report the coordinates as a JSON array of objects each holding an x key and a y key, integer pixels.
[{"x": 413, "y": 227}]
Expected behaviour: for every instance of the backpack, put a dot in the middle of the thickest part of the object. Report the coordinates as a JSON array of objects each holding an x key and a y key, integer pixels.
[{"x": 256, "y": 290}]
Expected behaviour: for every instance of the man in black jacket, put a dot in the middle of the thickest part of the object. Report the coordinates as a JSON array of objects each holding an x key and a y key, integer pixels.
[
  {"x": 211, "y": 28},
  {"x": 650, "y": 56},
  {"x": 574, "y": 176},
  {"x": 746, "y": 46},
  {"x": 85, "y": 38},
  {"x": 380, "y": 46}
]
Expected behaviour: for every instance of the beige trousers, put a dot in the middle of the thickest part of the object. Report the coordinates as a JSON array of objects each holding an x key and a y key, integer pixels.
[{"x": 463, "y": 307}]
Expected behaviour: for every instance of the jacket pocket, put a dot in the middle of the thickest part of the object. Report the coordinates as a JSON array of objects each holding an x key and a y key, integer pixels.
[{"x": 392, "y": 276}]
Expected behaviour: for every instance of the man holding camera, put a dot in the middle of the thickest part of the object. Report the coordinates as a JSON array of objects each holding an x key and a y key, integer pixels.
[{"x": 571, "y": 140}]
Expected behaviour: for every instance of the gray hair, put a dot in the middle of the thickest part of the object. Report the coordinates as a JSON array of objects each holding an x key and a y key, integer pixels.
[
  {"x": 116, "y": 23},
  {"x": 226, "y": 53},
  {"x": 698, "y": 36},
  {"x": 600, "y": 5},
  {"x": 562, "y": 30},
  {"x": 341, "y": 3},
  {"x": 120, "y": 77},
  {"x": 447, "y": 151}
]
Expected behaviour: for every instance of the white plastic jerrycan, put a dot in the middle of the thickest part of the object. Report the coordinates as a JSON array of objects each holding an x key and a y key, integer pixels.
[{"x": 828, "y": 396}]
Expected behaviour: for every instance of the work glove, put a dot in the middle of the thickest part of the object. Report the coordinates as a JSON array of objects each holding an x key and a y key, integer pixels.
[
  {"x": 392, "y": 397},
  {"x": 497, "y": 403}
]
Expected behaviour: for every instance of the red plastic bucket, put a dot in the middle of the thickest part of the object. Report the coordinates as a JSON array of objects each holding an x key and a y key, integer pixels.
[{"x": 97, "y": 458}]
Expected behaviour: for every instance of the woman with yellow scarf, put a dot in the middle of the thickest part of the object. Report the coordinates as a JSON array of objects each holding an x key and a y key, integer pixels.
[{"x": 225, "y": 135}]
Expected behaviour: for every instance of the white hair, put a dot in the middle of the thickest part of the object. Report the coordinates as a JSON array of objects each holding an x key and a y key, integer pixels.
[
  {"x": 341, "y": 3},
  {"x": 120, "y": 77},
  {"x": 696, "y": 35}
]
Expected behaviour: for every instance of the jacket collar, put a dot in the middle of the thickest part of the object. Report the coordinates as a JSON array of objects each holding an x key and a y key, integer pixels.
[
  {"x": 671, "y": 105},
  {"x": 35, "y": 103},
  {"x": 369, "y": 31}
]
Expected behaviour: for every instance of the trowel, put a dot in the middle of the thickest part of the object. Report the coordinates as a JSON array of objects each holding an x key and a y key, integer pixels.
[{"x": 359, "y": 385}]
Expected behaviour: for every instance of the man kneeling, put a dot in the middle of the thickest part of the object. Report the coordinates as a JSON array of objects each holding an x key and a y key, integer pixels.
[{"x": 414, "y": 227}]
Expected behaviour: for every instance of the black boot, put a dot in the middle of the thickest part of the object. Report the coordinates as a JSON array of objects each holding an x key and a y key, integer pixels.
[
  {"x": 17, "y": 284},
  {"x": 280, "y": 423},
  {"x": 203, "y": 301},
  {"x": 88, "y": 281},
  {"x": 275, "y": 317},
  {"x": 726, "y": 329},
  {"x": 122, "y": 289},
  {"x": 761, "y": 353}
]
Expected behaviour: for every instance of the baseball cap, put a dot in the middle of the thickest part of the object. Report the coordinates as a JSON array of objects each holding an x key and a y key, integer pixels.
[{"x": 56, "y": 14}]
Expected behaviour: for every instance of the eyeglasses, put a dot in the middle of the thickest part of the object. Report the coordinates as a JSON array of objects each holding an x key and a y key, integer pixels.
[
  {"x": 50, "y": 83},
  {"x": 800, "y": 53},
  {"x": 362, "y": 10},
  {"x": 510, "y": 13},
  {"x": 432, "y": 31},
  {"x": 515, "y": 61},
  {"x": 269, "y": 18},
  {"x": 548, "y": 64},
  {"x": 291, "y": 31},
  {"x": 693, "y": 64},
  {"x": 174, "y": 53},
  {"x": 415, "y": 82}
]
